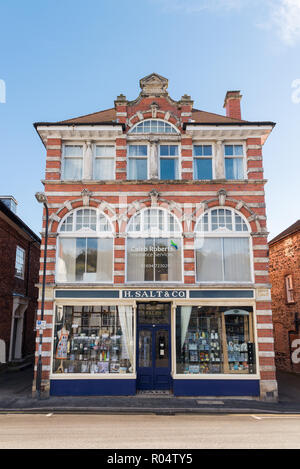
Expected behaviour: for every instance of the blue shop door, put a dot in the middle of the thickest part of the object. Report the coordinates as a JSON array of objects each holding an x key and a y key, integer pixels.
[{"x": 153, "y": 358}]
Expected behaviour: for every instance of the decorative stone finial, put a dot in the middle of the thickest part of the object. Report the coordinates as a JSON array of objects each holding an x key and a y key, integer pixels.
[
  {"x": 222, "y": 194},
  {"x": 154, "y": 85},
  {"x": 154, "y": 195},
  {"x": 86, "y": 194}
]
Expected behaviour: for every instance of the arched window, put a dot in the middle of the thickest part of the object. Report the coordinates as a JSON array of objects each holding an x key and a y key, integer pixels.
[
  {"x": 85, "y": 247},
  {"x": 154, "y": 247},
  {"x": 153, "y": 126},
  {"x": 223, "y": 248}
]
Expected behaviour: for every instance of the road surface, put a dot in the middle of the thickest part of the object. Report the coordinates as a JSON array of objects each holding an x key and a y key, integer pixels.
[{"x": 57, "y": 431}]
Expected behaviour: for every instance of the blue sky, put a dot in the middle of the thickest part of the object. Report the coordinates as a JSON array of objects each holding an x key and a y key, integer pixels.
[{"x": 61, "y": 59}]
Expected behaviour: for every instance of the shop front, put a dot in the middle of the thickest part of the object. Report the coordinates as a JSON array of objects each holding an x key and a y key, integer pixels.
[{"x": 122, "y": 342}]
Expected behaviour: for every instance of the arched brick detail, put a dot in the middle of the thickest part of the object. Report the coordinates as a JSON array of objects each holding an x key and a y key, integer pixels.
[
  {"x": 71, "y": 205},
  {"x": 238, "y": 205},
  {"x": 161, "y": 114},
  {"x": 137, "y": 206}
]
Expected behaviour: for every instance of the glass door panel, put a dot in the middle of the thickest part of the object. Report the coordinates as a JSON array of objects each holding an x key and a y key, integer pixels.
[
  {"x": 145, "y": 349},
  {"x": 161, "y": 348}
]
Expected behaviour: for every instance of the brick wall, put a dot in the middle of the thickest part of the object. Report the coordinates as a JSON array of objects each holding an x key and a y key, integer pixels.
[
  {"x": 285, "y": 260},
  {"x": 10, "y": 238},
  {"x": 248, "y": 197}
]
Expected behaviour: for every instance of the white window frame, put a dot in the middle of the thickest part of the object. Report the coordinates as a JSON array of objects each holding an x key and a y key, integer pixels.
[
  {"x": 178, "y": 157},
  {"x": 90, "y": 376},
  {"x": 243, "y": 158},
  {"x": 154, "y": 235},
  {"x": 289, "y": 289},
  {"x": 138, "y": 144},
  {"x": 141, "y": 123},
  {"x": 84, "y": 233},
  {"x": 95, "y": 157},
  {"x": 212, "y": 157},
  {"x": 225, "y": 233},
  {"x": 23, "y": 252},
  {"x": 64, "y": 158}
]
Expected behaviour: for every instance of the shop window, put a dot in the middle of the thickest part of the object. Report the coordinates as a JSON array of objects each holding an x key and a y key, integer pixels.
[
  {"x": 214, "y": 340},
  {"x": 85, "y": 248},
  {"x": 289, "y": 289},
  {"x": 93, "y": 340},
  {"x": 154, "y": 247},
  {"x": 222, "y": 245}
]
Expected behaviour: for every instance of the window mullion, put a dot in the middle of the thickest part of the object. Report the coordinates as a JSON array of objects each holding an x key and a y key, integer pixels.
[{"x": 223, "y": 260}]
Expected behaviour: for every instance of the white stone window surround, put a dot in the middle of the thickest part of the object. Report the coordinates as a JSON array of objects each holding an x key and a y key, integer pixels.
[
  {"x": 243, "y": 157},
  {"x": 164, "y": 126},
  {"x": 76, "y": 156},
  {"x": 218, "y": 156},
  {"x": 224, "y": 232},
  {"x": 177, "y": 158},
  {"x": 139, "y": 143},
  {"x": 103, "y": 230},
  {"x": 213, "y": 157},
  {"x": 110, "y": 149},
  {"x": 88, "y": 157},
  {"x": 162, "y": 231},
  {"x": 153, "y": 153}
]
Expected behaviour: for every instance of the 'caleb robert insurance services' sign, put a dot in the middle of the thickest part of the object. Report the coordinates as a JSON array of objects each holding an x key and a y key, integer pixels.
[{"x": 153, "y": 294}]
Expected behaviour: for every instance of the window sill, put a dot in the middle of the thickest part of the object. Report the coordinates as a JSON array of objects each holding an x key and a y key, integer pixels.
[{"x": 83, "y": 284}]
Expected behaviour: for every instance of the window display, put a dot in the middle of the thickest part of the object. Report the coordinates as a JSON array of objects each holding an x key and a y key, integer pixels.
[
  {"x": 214, "y": 340},
  {"x": 93, "y": 339}
]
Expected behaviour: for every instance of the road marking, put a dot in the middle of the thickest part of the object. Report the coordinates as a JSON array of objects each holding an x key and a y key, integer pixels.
[
  {"x": 206, "y": 402},
  {"x": 263, "y": 417}
]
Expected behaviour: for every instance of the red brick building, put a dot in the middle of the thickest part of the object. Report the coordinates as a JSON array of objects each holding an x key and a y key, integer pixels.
[
  {"x": 19, "y": 272},
  {"x": 284, "y": 251},
  {"x": 157, "y": 269}
]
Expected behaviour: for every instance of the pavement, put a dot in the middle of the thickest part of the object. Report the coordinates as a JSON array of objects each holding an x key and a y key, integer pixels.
[{"x": 16, "y": 396}]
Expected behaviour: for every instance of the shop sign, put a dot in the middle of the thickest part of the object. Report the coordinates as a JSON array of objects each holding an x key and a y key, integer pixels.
[{"x": 154, "y": 294}]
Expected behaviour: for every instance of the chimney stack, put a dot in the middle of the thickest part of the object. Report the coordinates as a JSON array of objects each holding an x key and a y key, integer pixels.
[
  {"x": 10, "y": 202},
  {"x": 232, "y": 104}
]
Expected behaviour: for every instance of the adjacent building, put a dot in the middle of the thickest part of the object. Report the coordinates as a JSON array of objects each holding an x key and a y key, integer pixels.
[
  {"x": 19, "y": 272},
  {"x": 157, "y": 264},
  {"x": 284, "y": 252}
]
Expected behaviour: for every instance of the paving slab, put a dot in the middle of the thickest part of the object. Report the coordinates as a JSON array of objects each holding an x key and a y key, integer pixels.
[{"x": 15, "y": 396}]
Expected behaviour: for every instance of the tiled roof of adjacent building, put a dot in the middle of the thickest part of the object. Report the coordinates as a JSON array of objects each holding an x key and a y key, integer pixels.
[
  {"x": 294, "y": 228},
  {"x": 17, "y": 221}
]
